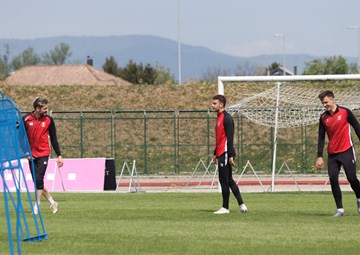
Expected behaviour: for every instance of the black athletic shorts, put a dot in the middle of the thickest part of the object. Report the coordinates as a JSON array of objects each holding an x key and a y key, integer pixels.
[{"x": 40, "y": 165}]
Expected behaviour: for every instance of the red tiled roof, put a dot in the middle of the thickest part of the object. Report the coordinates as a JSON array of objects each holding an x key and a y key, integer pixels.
[{"x": 55, "y": 75}]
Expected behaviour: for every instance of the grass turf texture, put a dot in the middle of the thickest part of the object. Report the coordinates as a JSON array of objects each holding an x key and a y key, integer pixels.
[{"x": 178, "y": 223}]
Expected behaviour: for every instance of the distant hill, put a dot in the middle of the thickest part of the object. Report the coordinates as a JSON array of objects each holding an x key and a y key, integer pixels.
[{"x": 196, "y": 60}]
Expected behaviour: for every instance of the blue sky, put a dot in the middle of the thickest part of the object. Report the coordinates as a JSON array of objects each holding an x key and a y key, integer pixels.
[{"x": 235, "y": 27}]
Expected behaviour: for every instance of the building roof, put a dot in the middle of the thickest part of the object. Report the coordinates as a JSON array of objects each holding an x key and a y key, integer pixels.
[
  {"x": 55, "y": 75},
  {"x": 280, "y": 71}
]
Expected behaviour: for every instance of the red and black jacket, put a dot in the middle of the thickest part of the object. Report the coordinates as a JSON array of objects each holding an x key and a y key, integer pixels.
[
  {"x": 224, "y": 130},
  {"x": 337, "y": 128},
  {"x": 38, "y": 132}
]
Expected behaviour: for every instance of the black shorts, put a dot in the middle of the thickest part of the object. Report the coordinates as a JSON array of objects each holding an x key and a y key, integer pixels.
[{"x": 40, "y": 165}]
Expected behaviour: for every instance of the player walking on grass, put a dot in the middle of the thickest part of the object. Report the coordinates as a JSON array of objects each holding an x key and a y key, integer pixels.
[
  {"x": 224, "y": 154},
  {"x": 39, "y": 126},
  {"x": 335, "y": 122}
]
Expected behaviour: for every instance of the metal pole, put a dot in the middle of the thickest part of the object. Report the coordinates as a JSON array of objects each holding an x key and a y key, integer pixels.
[
  {"x": 145, "y": 146},
  {"x": 175, "y": 144},
  {"x": 358, "y": 67},
  {"x": 283, "y": 49},
  {"x": 275, "y": 136},
  {"x": 358, "y": 42},
  {"x": 81, "y": 136},
  {"x": 179, "y": 40},
  {"x": 283, "y": 52}
]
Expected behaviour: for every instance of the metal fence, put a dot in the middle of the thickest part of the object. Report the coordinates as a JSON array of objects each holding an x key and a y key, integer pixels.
[{"x": 173, "y": 142}]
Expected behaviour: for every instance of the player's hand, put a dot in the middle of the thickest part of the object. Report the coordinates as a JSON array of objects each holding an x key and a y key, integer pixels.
[
  {"x": 231, "y": 161},
  {"x": 213, "y": 159},
  {"x": 60, "y": 161},
  {"x": 319, "y": 163}
]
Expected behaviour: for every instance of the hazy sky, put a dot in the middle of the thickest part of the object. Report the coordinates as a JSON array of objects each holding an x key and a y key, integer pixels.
[{"x": 236, "y": 27}]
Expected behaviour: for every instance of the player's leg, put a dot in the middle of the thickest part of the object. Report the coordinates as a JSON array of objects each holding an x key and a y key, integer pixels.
[
  {"x": 348, "y": 160},
  {"x": 236, "y": 191},
  {"x": 42, "y": 166},
  {"x": 333, "y": 172},
  {"x": 53, "y": 204},
  {"x": 224, "y": 182},
  {"x": 38, "y": 176}
]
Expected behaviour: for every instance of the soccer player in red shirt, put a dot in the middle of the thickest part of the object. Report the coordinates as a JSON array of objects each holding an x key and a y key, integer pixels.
[
  {"x": 39, "y": 127},
  {"x": 336, "y": 122},
  {"x": 224, "y": 154}
]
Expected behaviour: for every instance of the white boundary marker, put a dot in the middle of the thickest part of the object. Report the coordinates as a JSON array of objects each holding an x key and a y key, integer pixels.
[
  {"x": 248, "y": 164},
  {"x": 207, "y": 172},
  {"x": 284, "y": 164},
  {"x": 134, "y": 178}
]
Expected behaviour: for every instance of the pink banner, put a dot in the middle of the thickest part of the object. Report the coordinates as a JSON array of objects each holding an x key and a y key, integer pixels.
[{"x": 84, "y": 174}]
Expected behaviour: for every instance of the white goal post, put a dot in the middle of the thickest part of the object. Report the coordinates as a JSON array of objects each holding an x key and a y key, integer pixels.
[{"x": 283, "y": 101}]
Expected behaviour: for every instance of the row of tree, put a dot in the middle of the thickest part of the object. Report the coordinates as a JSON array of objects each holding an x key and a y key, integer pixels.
[{"x": 139, "y": 73}]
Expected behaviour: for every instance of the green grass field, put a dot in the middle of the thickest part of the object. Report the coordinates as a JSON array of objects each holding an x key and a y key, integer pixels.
[{"x": 183, "y": 223}]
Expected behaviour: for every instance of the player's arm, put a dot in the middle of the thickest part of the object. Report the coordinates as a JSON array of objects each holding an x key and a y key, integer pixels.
[
  {"x": 229, "y": 131},
  {"x": 353, "y": 122},
  {"x": 321, "y": 142},
  {"x": 213, "y": 158},
  {"x": 54, "y": 142}
]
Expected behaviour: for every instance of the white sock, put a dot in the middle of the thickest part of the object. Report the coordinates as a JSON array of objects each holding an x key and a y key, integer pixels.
[
  {"x": 340, "y": 209},
  {"x": 51, "y": 200}
]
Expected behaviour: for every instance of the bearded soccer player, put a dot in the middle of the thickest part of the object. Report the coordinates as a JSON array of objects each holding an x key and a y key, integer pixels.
[
  {"x": 336, "y": 122},
  {"x": 39, "y": 127},
  {"x": 224, "y": 154}
]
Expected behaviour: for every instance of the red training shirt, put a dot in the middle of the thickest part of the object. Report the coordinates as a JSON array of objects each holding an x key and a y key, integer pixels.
[
  {"x": 224, "y": 130},
  {"x": 38, "y": 132},
  {"x": 337, "y": 128}
]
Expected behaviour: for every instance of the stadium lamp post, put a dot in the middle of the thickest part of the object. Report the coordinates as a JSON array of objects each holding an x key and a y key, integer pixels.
[
  {"x": 179, "y": 40},
  {"x": 283, "y": 49},
  {"x": 358, "y": 60}
]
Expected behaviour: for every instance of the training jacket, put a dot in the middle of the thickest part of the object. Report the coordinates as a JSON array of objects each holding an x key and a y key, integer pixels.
[
  {"x": 38, "y": 132},
  {"x": 224, "y": 130},
  {"x": 337, "y": 128}
]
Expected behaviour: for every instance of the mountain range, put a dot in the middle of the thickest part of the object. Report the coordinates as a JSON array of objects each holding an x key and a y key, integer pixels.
[{"x": 195, "y": 60}]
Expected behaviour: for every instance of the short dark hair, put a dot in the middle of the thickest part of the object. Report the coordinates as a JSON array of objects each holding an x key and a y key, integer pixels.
[
  {"x": 221, "y": 98},
  {"x": 326, "y": 93},
  {"x": 39, "y": 102}
]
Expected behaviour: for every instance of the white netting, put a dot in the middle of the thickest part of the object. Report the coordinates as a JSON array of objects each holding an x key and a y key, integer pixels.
[{"x": 294, "y": 102}]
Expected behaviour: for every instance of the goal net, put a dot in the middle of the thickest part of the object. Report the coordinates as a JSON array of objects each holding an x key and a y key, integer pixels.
[{"x": 278, "y": 108}]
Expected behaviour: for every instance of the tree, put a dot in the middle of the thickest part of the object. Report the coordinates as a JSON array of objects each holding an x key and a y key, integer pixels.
[
  {"x": 211, "y": 74},
  {"x": 353, "y": 68},
  {"x": 130, "y": 72},
  {"x": 4, "y": 63},
  {"x": 249, "y": 69},
  {"x": 26, "y": 58},
  {"x": 245, "y": 69},
  {"x": 328, "y": 65},
  {"x": 137, "y": 73},
  {"x": 58, "y": 55},
  {"x": 163, "y": 75},
  {"x": 110, "y": 66},
  {"x": 148, "y": 74}
]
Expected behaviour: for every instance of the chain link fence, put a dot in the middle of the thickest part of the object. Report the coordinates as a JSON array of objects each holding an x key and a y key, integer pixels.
[{"x": 173, "y": 142}]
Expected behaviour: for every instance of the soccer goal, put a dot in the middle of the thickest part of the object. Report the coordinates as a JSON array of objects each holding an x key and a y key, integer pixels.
[{"x": 280, "y": 107}]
